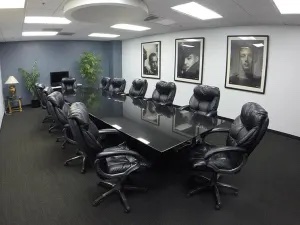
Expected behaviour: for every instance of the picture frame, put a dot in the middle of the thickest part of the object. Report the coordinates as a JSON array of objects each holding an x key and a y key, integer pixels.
[
  {"x": 247, "y": 63},
  {"x": 151, "y": 60},
  {"x": 189, "y": 59}
]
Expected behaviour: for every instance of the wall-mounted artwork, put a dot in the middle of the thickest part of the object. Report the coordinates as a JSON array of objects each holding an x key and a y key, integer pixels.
[
  {"x": 247, "y": 60},
  {"x": 151, "y": 59},
  {"x": 189, "y": 54}
]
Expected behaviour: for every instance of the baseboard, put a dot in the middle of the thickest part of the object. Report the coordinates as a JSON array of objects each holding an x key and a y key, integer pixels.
[{"x": 270, "y": 130}]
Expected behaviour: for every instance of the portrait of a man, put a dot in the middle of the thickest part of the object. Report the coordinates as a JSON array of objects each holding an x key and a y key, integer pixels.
[
  {"x": 151, "y": 60},
  {"x": 246, "y": 69},
  {"x": 189, "y": 60}
]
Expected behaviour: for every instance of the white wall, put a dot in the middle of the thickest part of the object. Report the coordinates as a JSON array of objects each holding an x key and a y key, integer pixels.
[
  {"x": 281, "y": 98},
  {"x": 1, "y": 99}
]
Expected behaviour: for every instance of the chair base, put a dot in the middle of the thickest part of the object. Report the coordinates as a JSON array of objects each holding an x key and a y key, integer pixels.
[
  {"x": 214, "y": 185},
  {"x": 48, "y": 119},
  {"x": 119, "y": 189},
  {"x": 80, "y": 156}
]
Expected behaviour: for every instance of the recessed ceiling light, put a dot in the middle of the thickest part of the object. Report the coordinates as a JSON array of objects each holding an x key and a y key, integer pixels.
[
  {"x": 12, "y": 4},
  {"x": 130, "y": 27},
  {"x": 196, "y": 10},
  {"x": 259, "y": 45},
  {"x": 188, "y": 46},
  {"x": 247, "y": 38},
  {"x": 101, "y": 35},
  {"x": 46, "y": 20},
  {"x": 288, "y": 6},
  {"x": 39, "y": 33}
]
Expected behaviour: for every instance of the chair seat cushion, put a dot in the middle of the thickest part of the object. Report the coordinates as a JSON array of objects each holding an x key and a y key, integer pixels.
[
  {"x": 219, "y": 160},
  {"x": 119, "y": 164}
]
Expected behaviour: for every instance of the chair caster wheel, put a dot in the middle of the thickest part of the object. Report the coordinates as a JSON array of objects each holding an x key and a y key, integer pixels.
[
  {"x": 218, "y": 206},
  {"x": 66, "y": 164},
  {"x": 236, "y": 193},
  {"x": 127, "y": 210},
  {"x": 63, "y": 147},
  {"x": 82, "y": 171}
]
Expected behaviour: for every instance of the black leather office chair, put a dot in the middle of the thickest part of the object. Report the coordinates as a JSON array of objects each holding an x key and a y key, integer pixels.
[
  {"x": 164, "y": 93},
  {"x": 105, "y": 83},
  {"x": 44, "y": 94},
  {"x": 114, "y": 164},
  {"x": 204, "y": 101},
  {"x": 117, "y": 85},
  {"x": 59, "y": 110},
  {"x": 245, "y": 133},
  {"x": 39, "y": 90},
  {"x": 138, "y": 88},
  {"x": 68, "y": 86}
]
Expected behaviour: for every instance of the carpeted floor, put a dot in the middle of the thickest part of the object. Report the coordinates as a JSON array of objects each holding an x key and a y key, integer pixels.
[{"x": 36, "y": 189}]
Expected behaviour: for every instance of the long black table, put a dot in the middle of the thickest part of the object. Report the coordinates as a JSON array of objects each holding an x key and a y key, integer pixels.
[{"x": 162, "y": 128}]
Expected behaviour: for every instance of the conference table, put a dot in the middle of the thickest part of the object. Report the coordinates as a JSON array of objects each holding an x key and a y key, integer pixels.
[{"x": 162, "y": 128}]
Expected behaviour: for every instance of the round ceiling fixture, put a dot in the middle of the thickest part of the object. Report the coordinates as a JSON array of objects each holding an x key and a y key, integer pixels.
[{"x": 106, "y": 11}]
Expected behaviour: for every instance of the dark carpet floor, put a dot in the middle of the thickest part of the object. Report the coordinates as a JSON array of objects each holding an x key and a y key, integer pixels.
[{"x": 36, "y": 189}]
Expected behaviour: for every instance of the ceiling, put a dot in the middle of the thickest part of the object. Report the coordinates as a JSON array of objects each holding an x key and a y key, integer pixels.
[{"x": 234, "y": 12}]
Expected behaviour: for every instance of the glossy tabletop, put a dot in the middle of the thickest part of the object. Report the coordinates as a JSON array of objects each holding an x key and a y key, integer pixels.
[{"x": 160, "y": 127}]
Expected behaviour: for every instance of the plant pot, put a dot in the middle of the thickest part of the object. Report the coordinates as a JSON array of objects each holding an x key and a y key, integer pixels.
[{"x": 35, "y": 103}]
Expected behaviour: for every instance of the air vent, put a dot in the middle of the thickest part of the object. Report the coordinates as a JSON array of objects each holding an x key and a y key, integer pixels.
[
  {"x": 65, "y": 33},
  {"x": 53, "y": 29},
  {"x": 151, "y": 17}
]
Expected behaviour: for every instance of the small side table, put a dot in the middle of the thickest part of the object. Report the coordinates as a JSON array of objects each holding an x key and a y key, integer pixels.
[{"x": 14, "y": 104}]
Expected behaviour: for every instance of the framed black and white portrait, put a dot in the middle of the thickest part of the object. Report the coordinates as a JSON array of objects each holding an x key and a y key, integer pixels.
[
  {"x": 247, "y": 61},
  {"x": 151, "y": 59},
  {"x": 189, "y": 54}
]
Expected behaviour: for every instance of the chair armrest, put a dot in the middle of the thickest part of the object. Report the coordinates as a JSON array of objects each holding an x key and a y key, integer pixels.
[
  {"x": 212, "y": 113},
  {"x": 215, "y": 130},
  {"x": 108, "y": 131},
  {"x": 185, "y": 107},
  {"x": 125, "y": 152},
  {"x": 224, "y": 149}
]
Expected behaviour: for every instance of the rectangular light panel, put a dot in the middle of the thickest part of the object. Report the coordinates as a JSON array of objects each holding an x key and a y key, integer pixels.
[
  {"x": 288, "y": 6},
  {"x": 39, "y": 33},
  {"x": 46, "y": 20},
  {"x": 101, "y": 35},
  {"x": 196, "y": 10},
  {"x": 12, "y": 4},
  {"x": 130, "y": 27}
]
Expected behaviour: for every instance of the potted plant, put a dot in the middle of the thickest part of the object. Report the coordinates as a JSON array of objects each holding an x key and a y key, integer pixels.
[
  {"x": 31, "y": 79},
  {"x": 90, "y": 67}
]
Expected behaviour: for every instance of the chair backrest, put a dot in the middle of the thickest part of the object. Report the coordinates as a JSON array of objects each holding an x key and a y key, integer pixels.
[
  {"x": 105, "y": 82},
  {"x": 84, "y": 131},
  {"x": 117, "y": 85},
  {"x": 138, "y": 88},
  {"x": 205, "y": 99},
  {"x": 39, "y": 90},
  {"x": 248, "y": 129},
  {"x": 47, "y": 91},
  {"x": 58, "y": 108},
  {"x": 164, "y": 93},
  {"x": 68, "y": 85}
]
